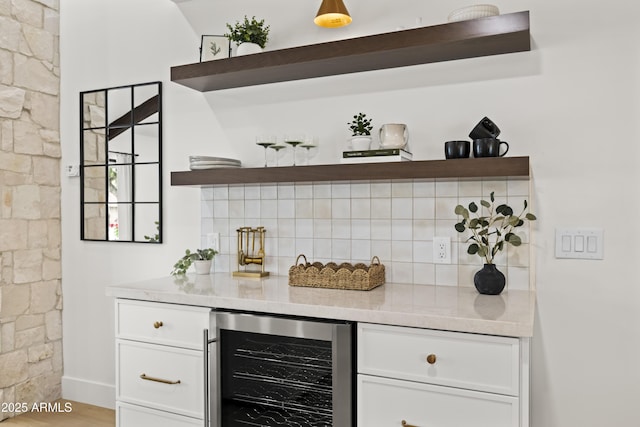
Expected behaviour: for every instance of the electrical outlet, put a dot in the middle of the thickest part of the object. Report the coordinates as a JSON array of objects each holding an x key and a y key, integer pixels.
[
  {"x": 442, "y": 250},
  {"x": 213, "y": 241}
]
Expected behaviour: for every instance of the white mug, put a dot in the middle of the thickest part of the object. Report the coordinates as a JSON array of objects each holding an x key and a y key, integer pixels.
[{"x": 394, "y": 135}]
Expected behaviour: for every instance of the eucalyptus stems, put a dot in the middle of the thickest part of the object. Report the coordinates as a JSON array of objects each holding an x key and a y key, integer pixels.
[
  {"x": 489, "y": 233},
  {"x": 182, "y": 265}
]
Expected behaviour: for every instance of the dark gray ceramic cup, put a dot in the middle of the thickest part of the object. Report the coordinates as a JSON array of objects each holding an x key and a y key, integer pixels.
[
  {"x": 489, "y": 147},
  {"x": 457, "y": 149},
  {"x": 485, "y": 129}
]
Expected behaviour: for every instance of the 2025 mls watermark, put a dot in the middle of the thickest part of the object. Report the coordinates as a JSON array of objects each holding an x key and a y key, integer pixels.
[{"x": 24, "y": 407}]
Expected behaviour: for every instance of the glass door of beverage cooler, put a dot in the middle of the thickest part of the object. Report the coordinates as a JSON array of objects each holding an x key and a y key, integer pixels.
[{"x": 284, "y": 372}]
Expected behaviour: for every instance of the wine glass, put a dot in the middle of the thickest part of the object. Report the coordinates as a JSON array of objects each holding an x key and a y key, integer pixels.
[
  {"x": 309, "y": 143},
  {"x": 277, "y": 148},
  {"x": 265, "y": 141},
  {"x": 294, "y": 139}
]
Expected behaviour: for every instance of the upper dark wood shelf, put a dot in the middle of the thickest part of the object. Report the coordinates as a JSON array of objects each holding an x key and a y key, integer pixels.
[
  {"x": 465, "y": 39},
  {"x": 488, "y": 167}
]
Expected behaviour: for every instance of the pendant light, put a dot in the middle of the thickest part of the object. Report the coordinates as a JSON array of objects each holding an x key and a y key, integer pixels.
[{"x": 332, "y": 14}]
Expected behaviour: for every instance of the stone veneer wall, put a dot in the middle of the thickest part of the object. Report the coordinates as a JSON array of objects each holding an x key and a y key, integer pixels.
[{"x": 30, "y": 236}]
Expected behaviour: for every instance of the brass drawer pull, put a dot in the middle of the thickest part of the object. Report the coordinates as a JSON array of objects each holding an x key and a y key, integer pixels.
[
  {"x": 157, "y": 324},
  {"x": 158, "y": 380},
  {"x": 431, "y": 359},
  {"x": 405, "y": 424}
]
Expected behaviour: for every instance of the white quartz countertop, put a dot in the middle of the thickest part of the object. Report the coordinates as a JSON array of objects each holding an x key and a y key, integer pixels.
[{"x": 452, "y": 308}]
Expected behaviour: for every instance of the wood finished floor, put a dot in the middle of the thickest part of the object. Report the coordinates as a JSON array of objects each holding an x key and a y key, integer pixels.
[{"x": 80, "y": 415}]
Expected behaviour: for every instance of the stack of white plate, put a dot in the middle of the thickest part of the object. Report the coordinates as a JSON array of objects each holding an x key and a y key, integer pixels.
[
  {"x": 208, "y": 162},
  {"x": 473, "y": 12}
]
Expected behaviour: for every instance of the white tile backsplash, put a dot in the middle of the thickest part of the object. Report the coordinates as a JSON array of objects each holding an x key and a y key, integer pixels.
[
  {"x": 341, "y": 208},
  {"x": 341, "y": 190},
  {"x": 236, "y": 192},
  {"x": 381, "y": 229},
  {"x": 340, "y": 221},
  {"x": 304, "y": 208},
  {"x": 304, "y": 191},
  {"x": 252, "y": 192},
  {"x": 361, "y": 208},
  {"x": 402, "y": 208},
  {"x": 361, "y": 229},
  {"x": 322, "y": 208},
  {"x": 381, "y": 208},
  {"x": 286, "y": 191},
  {"x": 381, "y": 189},
  {"x": 402, "y": 189}
]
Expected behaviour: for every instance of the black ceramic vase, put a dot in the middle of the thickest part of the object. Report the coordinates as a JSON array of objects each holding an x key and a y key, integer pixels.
[{"x": 489, "y": 280}]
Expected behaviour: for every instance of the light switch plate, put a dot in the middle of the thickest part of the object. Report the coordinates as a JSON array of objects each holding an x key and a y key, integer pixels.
[
  {"x": 213, "y": 241},
  {"x": 72, "y": 170},
  {"x": 580, "y": 243}
]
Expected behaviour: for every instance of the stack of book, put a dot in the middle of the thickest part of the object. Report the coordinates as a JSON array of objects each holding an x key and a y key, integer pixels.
[{"x": 376, "y": 156}]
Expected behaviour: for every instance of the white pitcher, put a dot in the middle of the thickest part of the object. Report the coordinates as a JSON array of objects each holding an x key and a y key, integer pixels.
[{"x": 394, "y": 135}]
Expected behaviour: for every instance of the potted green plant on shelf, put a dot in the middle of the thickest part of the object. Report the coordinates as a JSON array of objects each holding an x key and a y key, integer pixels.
[
  {"x": 201, "y": 258},
  {"x": 250, "y": 35},
  {"x": 490, "y": 234},
  {"x": 360, "y": 128}
]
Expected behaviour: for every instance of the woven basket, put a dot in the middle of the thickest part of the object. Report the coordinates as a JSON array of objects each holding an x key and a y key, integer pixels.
[{"x": 344, "y": 276}]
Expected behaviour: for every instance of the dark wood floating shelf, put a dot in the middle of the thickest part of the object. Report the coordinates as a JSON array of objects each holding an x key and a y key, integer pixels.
[
  {"x": 489, "y": 167},
  {"x": 494, "y": 35}
]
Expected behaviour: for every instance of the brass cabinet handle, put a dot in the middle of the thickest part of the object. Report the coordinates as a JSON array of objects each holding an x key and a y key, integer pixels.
[
  {"x": 157, "y": 324},
  {"x": 431, "y": 359},
  {"x": 158, "y": 380},
  {"x": 405, "y": 424}
]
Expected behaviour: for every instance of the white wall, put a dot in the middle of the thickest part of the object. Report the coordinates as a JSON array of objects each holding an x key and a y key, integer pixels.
[{"x": 571, "y": 104}]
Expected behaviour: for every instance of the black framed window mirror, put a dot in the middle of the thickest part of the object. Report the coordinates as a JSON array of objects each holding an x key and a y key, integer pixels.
[{"x": 121, "y": 163}]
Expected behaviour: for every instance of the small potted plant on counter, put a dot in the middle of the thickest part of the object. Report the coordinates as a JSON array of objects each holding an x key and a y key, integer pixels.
[
  {"x": 201, "y": 258},
  {"x": 250, "y": 35},
  {"x": 489, "y": 235},
  {"x": 360, "y": 132}
]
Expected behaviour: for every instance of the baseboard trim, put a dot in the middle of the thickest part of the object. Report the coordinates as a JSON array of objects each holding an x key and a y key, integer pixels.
[{"x": 90, "y": 392}]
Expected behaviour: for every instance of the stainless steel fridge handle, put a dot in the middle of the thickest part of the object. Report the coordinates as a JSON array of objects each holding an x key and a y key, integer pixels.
[{"x": 205, "y": 357}]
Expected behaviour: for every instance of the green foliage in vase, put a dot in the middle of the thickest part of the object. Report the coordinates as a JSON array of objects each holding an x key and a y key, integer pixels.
[
  {"x": 182, "y": 265},
  {"x": 360, "y": 125},
  {"x": 490, "y": 232},
  {"x": 249, "y": 31}
]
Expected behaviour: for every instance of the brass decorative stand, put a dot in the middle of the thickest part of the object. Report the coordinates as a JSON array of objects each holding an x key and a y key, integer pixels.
[{"x": 247, "y": 254}]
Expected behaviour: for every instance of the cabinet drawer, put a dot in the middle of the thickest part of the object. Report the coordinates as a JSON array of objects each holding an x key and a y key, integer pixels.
[
  {"x": 170, "y": 364},
  {"x": 384, "y": 402},
  {"x": 168, "y": 324},
  {"x": 475, "y": 362},
  {"x": 138, "y": 416}
]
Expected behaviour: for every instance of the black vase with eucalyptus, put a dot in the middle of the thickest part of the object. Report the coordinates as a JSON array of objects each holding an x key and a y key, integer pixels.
[
  {"x": 489, "y": 280},
  {"x": 491, "y": 229}
]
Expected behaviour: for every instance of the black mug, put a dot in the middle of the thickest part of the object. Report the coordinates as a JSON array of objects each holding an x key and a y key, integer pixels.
[
  {"x": 485, "y": 129},
  {"x": 457, "y": 149},
  {"x": 488, "y": 147}
]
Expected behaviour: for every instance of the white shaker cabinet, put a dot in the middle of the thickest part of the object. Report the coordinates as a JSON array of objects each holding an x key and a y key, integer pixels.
[
  {"x": 160, "y": 358},
  {"x": 420, "y": 377}
]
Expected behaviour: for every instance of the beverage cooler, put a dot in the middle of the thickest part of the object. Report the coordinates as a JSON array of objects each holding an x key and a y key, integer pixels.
[{"x": 281, "y": 371}]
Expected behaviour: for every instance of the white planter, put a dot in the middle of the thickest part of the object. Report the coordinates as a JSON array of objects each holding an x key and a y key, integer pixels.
[
  {"x": 359, "y": 143},
  {"x": 202, "y": 266},
  {"x": 247, "y": 49}
]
